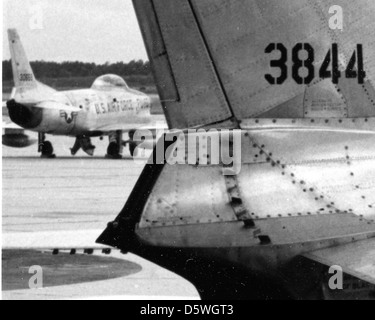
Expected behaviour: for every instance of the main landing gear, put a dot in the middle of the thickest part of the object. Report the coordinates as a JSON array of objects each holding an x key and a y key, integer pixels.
[
  {"x": 115, "y": 147},
  {"x": 45, "y": 147},
  {"x": 132, "y": 144},
  {"x": 83, "y": 143}
]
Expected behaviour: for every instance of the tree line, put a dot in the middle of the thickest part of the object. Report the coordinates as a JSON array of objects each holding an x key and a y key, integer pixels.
[{"x": 45, "y": 69}]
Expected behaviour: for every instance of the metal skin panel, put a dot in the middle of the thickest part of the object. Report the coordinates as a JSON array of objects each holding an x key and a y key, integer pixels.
[
  {"x": 250, "y": 26},
  {"x": 281, "y": 176},
  {"x": 303, "y": 197},
  {"x": 183, "y": 202},
  {"x": 289, "y": 234},
  {"x": 323, "y": 93},
  {"x": 223, "y": 55},
  {"x": 307, "y": 179},
  {"x": 360, "y": 125},
  {"x": 190, "y": 210},
  {"x": 156, "y": 50},
  {"x": 199, "y": 98}
]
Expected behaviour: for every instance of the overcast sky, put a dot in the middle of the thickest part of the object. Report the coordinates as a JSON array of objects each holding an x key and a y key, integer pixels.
[{"x": 85, "y": 30}]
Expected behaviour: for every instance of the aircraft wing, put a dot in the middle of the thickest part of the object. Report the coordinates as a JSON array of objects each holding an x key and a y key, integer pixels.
[
  {"x": 356, "y": 259},
  {"x": 14, "y": 136},
  {"x": 157, "y": 122}
]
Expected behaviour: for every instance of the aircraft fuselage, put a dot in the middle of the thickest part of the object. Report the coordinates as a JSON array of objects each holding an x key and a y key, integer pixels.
[
  {"x": 98, "y": 108},
  {"x": 298, "y": 196}
]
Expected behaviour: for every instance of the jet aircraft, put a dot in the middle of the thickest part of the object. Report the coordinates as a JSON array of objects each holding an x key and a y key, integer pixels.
[
  {"x": 301, "y": 97},
  {"x": 109, "y": 108}
]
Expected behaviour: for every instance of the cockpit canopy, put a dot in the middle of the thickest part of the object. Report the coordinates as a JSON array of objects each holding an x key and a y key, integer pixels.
[{"x": 109, "y": 81}]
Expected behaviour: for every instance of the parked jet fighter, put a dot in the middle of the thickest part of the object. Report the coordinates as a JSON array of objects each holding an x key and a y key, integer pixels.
[
  {"x": 109, "y": 107},
  {"x": 303, "y": 203}
]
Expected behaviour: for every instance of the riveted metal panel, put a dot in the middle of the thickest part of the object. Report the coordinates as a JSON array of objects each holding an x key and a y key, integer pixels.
[
  {"x": 251, "y": 25},
  {"x": 288, "y": 233},
  {"x": 280, "y": 176},
  {"x": 188, "y": 195},
  {"x": 333, "y": 173},
  {"x": 188, "y": 84},
  {"x": 219, "y": 68}
]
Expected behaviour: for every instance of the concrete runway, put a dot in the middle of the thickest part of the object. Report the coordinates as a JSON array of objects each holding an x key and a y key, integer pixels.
[{"x": 68, "y": 195}]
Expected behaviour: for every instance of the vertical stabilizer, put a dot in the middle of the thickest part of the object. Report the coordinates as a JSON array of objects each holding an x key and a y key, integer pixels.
[
  {"x": 212, "y": 63},
  {"x": 23, "y": 75}
]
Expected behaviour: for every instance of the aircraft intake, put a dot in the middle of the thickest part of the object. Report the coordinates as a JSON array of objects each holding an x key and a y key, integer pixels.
[{"x": 25, "y": 116}]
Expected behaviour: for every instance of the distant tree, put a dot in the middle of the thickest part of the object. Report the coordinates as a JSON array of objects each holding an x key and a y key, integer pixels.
[
  {"x": 7, "y": 70},
  {"x": 69, "y": 69}
]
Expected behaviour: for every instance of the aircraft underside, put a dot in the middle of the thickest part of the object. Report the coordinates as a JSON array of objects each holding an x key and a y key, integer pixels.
[{"x": 41, "y": 121}]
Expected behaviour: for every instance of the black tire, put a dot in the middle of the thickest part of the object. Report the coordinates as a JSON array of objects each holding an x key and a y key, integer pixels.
[
  {"x": 131, "y": 134},
  {"x": 47, "y": 148},
  {"x": 132, "y": 147},
  {"x": 113, "y": 149}
]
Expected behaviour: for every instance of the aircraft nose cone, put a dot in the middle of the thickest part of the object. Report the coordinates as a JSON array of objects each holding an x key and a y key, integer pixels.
[{"x": 25, "y": 116}]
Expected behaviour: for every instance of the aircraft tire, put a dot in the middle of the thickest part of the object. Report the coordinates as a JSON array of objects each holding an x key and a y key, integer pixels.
[
  {"x": 47, "y": 150},
  {"x": 113, "y": 151},
  {"x": 132, "y": 147}
]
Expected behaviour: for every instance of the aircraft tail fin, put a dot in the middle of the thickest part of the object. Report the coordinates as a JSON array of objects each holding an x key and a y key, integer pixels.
[
  {"x": 23, "y": 75},
  {"x": 223, "y": 69}
]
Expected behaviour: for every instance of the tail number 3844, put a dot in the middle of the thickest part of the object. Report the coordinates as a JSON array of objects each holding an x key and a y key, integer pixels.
[{"x": 329, "y": 68}]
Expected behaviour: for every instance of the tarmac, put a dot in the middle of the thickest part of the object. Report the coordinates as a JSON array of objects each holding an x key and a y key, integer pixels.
[{"x": 66, "y": 203}]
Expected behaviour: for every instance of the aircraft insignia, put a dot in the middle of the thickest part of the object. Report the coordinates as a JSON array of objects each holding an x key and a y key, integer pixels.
[{"x": 68, "y": 117}]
